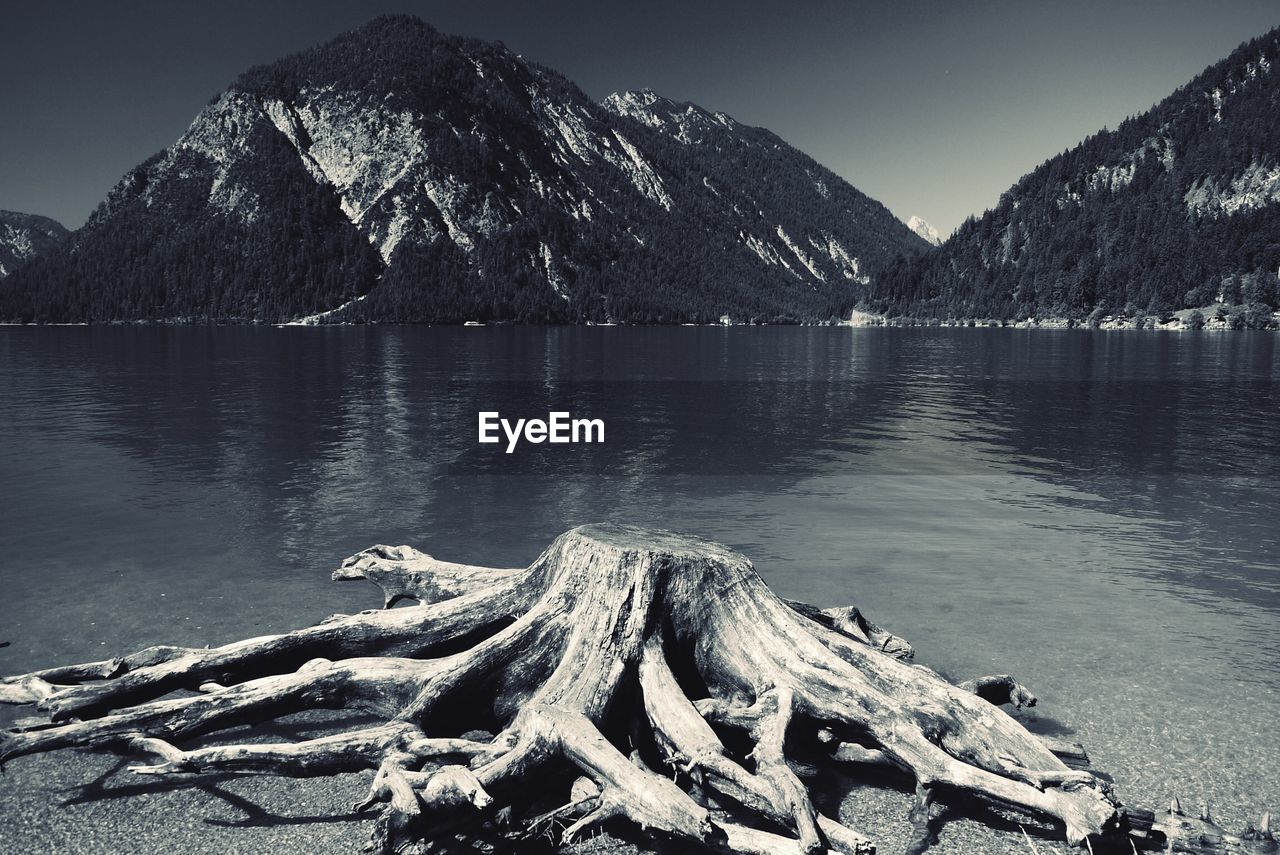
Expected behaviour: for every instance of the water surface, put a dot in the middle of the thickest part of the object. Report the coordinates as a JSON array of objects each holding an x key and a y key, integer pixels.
[{"x": 1093, "y": 512}]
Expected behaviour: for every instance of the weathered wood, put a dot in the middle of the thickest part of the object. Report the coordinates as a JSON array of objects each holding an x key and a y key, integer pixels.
[
  {"x": 616, "y": 653},
  {"x": 1176, "y": 831},
  {"x": 922, "y": 834},
  {"x": 1071, "y": 753},
  {"x": 1001, "y": 689}
]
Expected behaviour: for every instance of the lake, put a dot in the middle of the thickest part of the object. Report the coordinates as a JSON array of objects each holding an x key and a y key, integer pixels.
[{"x": 1093, "y": 512}]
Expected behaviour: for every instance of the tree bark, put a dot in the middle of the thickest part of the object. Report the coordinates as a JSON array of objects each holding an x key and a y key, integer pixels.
[{"x": 616, "y": 653}]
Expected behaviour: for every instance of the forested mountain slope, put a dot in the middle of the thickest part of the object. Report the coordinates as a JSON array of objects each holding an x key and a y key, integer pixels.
[
  {"x": 25, "y": 236},
  {"x": 1176, "y": 208},
  {"x": 398, "y": 174}
]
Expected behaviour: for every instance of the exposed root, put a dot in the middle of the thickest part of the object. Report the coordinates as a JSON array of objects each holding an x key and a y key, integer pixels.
[
  {"x": 615, "y": 651},
  {"x": 344, "y": 752},
  {"x": 922, "y": 834},
  {"x": 1001, "y": 689},
  {"x": 852, "y": 623}
]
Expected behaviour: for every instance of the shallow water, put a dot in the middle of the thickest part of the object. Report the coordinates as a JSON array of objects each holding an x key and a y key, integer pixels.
[{"x": 1093, "y": 512}]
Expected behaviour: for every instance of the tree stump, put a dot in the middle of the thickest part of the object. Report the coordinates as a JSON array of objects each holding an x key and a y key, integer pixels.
[{"x": 614, "y": 672}]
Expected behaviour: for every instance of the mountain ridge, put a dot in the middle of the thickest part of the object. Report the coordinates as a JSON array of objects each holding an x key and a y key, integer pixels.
[
  {"x": 399, "y": 174},
  {"x": 26, "y": 236}
]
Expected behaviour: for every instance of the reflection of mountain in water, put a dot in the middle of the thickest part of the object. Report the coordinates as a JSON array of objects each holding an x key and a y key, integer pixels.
[
  {"x": 308, "y": 426},
  {"x": 1176, "y": 431},
  {"x": 335, "y": 430}
]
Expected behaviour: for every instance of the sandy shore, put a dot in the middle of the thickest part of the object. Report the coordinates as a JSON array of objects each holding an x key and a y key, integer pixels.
[{"x": 84, "y": 802}]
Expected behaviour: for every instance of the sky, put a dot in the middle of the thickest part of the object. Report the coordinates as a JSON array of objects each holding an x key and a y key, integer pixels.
[{"x": 934, "y": 108}]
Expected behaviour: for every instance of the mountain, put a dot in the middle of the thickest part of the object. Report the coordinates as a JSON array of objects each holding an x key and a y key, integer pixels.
[
  {"x": 399, "y": 174},
  {"x": 925, "y": 230},
  {"x": 1176, "y": 208},
  {"x": 25, "y": 236}
]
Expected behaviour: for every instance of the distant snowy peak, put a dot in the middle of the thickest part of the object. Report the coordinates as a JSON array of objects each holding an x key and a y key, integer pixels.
[
  {"x": 925, "y": 230},
  {"x": 24, "y": 236}
]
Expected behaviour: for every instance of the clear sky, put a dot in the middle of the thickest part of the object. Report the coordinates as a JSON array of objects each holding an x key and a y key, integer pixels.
[{"x": 934, "y": 108}]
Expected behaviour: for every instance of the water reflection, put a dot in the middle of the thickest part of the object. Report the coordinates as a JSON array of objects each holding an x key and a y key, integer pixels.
[{"x": 312, "y": 426}]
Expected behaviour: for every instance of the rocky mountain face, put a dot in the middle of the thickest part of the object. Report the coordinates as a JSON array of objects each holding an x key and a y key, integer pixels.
[
  {"x": 25, "y": 236},
  {"x": 925, "y": 230},
  {"x": 1176, "y": 208},
  {"x": 398, "y": 174}
]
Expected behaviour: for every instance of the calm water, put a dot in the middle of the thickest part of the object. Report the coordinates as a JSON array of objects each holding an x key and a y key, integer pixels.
[{"x": 1096, "y": 513}]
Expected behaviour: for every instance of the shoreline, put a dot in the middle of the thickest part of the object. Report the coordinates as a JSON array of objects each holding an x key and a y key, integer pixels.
[
  {"x": 1219, "y": 317},
  {"x": 860, "y": 320}
]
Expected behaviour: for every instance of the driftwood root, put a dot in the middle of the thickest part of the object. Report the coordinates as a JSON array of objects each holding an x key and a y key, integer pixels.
[{"x": 624, "y": 676}]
